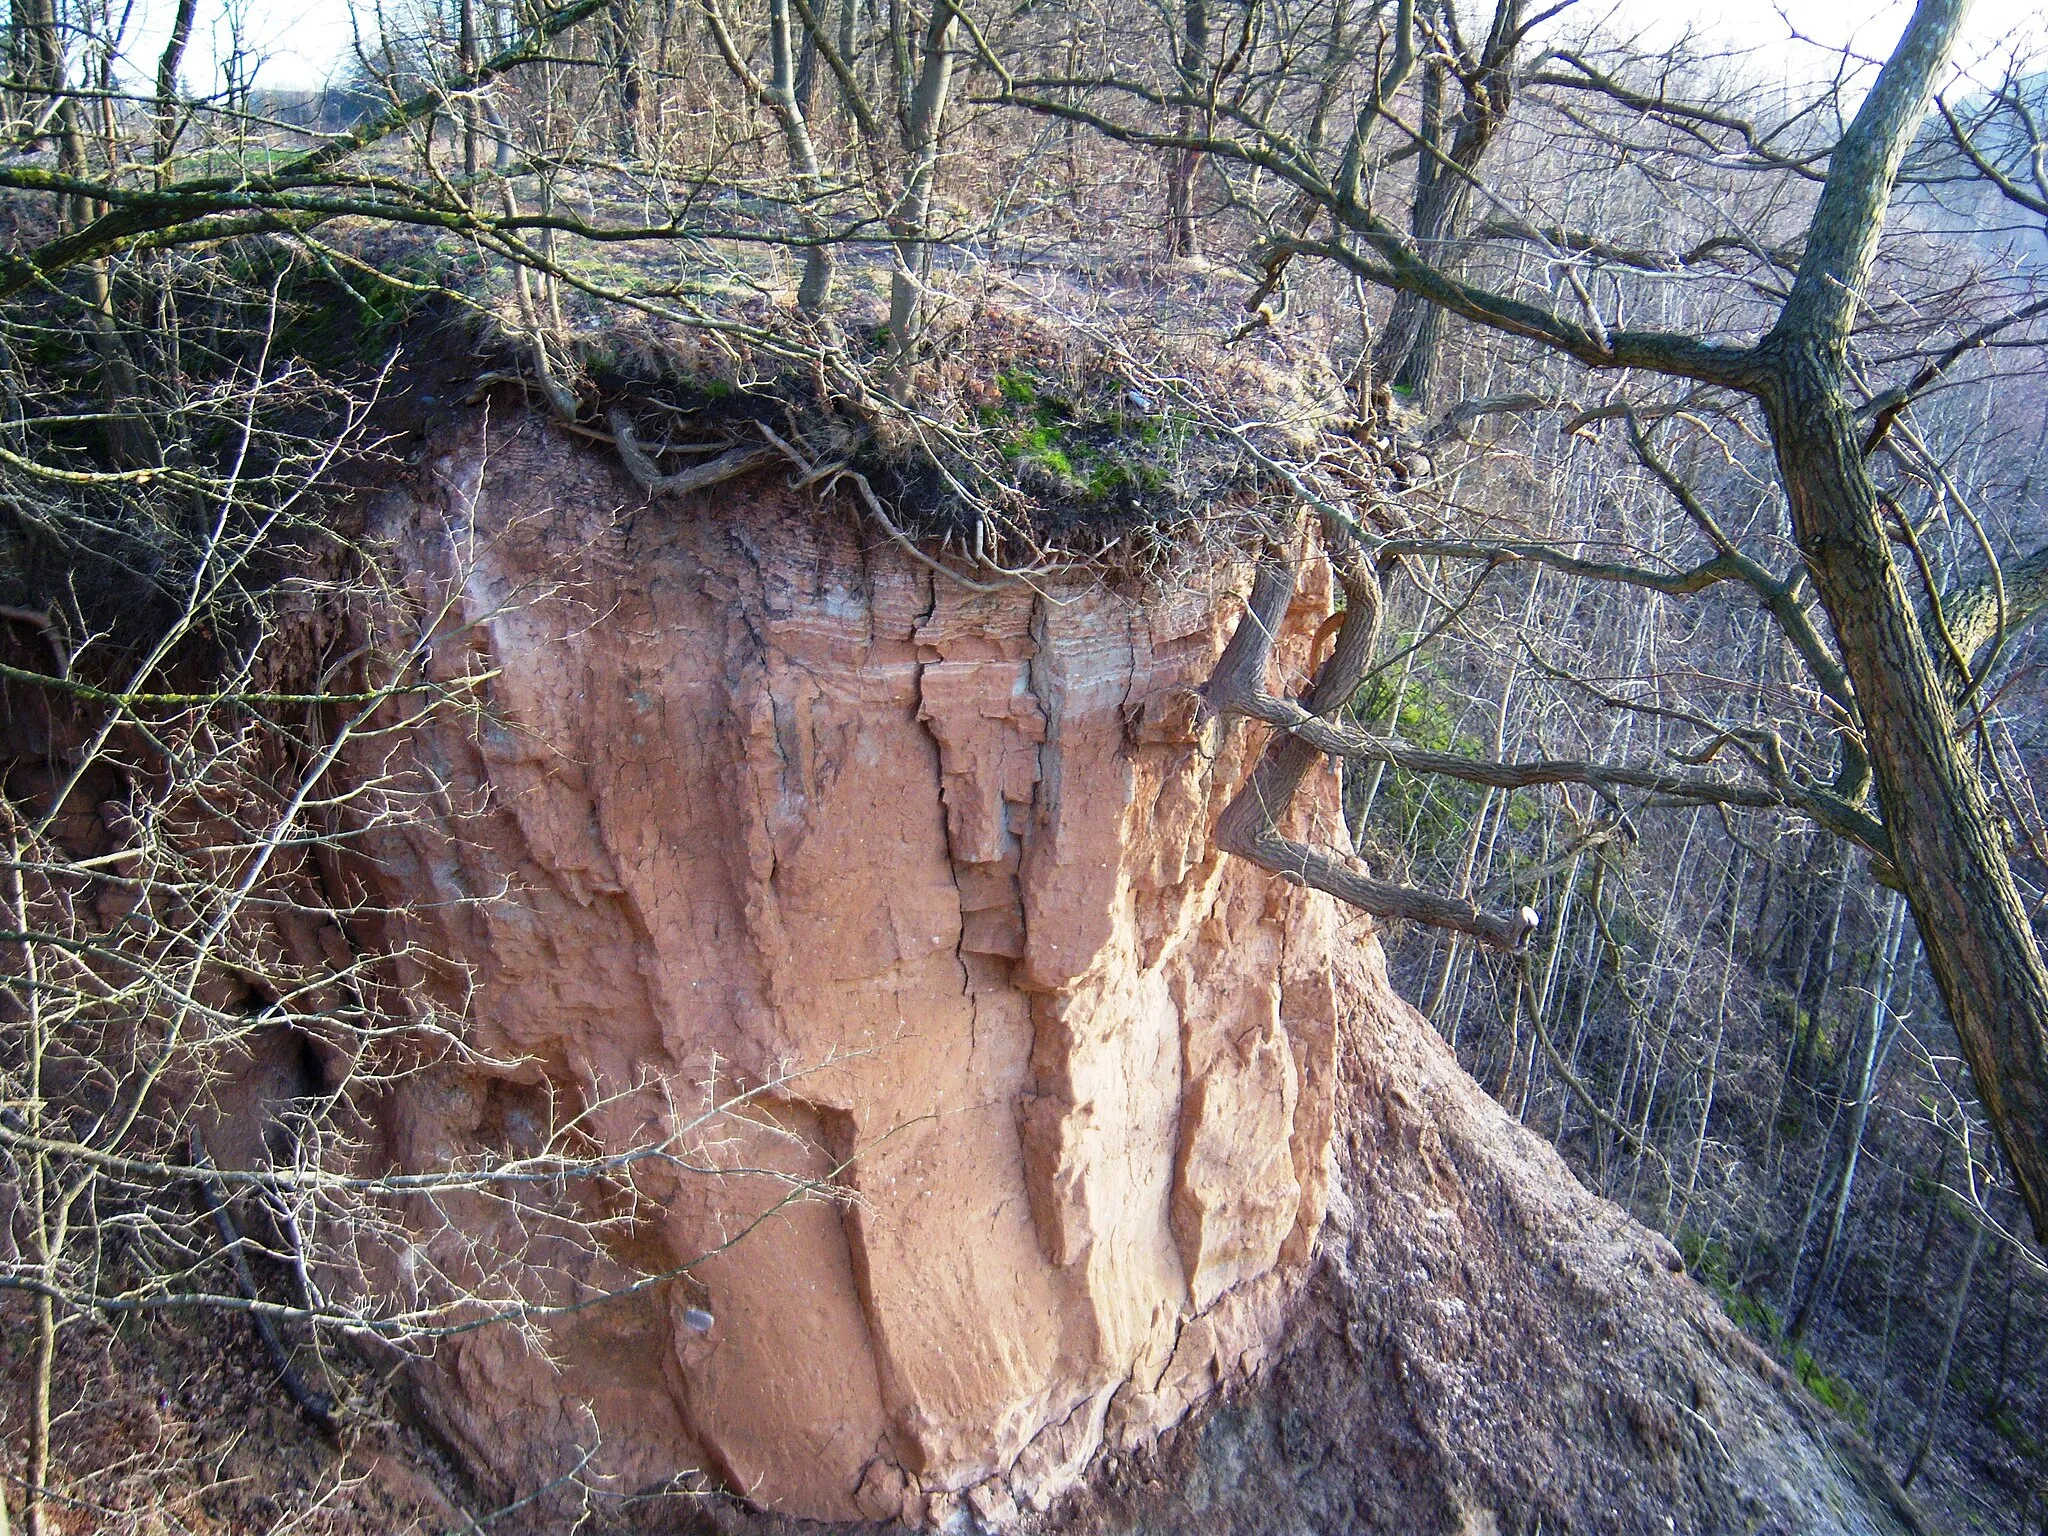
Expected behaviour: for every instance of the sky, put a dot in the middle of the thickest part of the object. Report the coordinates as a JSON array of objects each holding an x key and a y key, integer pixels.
[
  {"x": 306, "y": 40},
  {"x": 1804, "y": 34}
]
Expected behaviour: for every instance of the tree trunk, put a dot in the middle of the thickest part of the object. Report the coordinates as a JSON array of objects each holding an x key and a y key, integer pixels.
[
  {"x": 35, "y": 1507},
  {"x": 1946, "y": 841},
  {"x": 1430, "y": 215},
  {"x": 1939, "y": 1390},
  {"x": 1181, "y": 236},
  {"x": 786, "y": 93},
  {"x": 1876, "y": 1044},
  {"x": 910, "y": 220},
  {"x": 627, "y": 76},
  {"x": 1449, "y": 150},
  {"x": 167, "y": 68},
  {"x": 466, "y": 45}
]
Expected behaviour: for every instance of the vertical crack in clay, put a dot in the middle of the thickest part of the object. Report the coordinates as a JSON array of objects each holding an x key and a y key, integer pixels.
[{"x": 927, "y": 718}]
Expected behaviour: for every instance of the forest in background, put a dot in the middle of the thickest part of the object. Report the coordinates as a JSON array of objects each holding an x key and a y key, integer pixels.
[{"x": 1040, "y": 286}]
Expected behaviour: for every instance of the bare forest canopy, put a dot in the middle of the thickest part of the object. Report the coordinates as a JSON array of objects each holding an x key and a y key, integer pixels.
[{"x": 1676, "y": 437}]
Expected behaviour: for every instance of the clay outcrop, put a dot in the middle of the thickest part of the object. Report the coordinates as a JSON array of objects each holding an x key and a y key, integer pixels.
[
  {"x": 765, "y": 806},
  {"x": 1134, "y": 1136}
]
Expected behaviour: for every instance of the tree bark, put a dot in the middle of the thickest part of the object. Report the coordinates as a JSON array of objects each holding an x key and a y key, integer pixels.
[
  {"x": 1182, "y": 238},
  {"x": 780, "y": 94},
  {"x": 1946, "y": 839},
  {"x": 466, "y": 56},
  {"x": 1250, "y": 825},
  {"x": 167, "y": 84},
  {"x": 35, "y": 1506},
  {"x": 786, "y": 95},
  {"x": 910, "y": 218},
  {"x": 1406, "y": 350}
]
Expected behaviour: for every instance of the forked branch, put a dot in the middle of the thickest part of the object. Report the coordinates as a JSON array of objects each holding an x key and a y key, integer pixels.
[{"x": 1250, "y": 825}]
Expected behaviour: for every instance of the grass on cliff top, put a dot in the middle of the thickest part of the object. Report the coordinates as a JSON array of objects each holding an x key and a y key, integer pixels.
[
  {"x": 1023, "y": 446},
  {"x": 1018, "y": 439}
]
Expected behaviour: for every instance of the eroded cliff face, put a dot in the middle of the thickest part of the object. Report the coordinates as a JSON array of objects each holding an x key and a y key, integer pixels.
[
  {"x": 764, "y": 807},
  {"x": 760, "y": 807}
]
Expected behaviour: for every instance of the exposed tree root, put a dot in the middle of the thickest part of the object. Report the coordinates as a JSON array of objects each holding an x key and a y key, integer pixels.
[{"x": 641, "y": 466}]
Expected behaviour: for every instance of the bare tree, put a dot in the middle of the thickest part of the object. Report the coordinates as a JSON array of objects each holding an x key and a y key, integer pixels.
[{"x": 1935, "y": 831}]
